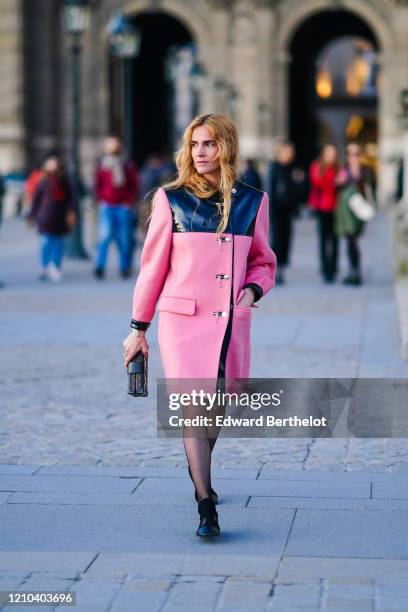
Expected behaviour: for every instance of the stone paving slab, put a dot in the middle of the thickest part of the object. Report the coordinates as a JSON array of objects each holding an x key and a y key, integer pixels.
[
  {"x": 345, "y": 533},
  {"x": 67, "y": 484},
  {"x": 266, "y": 487},
  {"x": 13, "y": 468},
  {"x": 390, "y": 490},
  {"x": 139, "y": 471},
  {"x": 329, "y": 475},
  {"x": 196, "y": 594},
  {"x": 95, "y": 596},
  {"x": 214, "y": 564},
  {"x": 112, "y": 499},
  {"x": 141, "y": 601},
  {"x": 13, "y": 560},
  {"x": 137, "y": 528},
  {"x": 345, "y": 570},
  {"x": 334, "y": 503}
]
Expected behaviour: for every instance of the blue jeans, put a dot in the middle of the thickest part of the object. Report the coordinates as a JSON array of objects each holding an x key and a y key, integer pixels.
[
  {"x": 51, "y": 250},
  {"x": 116, "y": 222}
]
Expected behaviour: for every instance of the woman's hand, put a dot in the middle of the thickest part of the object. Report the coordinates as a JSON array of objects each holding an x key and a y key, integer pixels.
[
  {"x": 71, "y": 219},
  {"x": 247, "y": 299},
  {"x": 132, "y": 345},
  {"x": 341, "y": 177}
]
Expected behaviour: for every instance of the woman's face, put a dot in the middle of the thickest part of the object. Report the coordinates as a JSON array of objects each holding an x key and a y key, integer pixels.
[
  {"x": 353, "y": 154},
  {"x": 285, "y": 154},
  {"x": 52, "y": 165},
  {"x": 204, "y": 150},
  {"x": 330, "y": 154},
  {"x": 112, "y": 146}
]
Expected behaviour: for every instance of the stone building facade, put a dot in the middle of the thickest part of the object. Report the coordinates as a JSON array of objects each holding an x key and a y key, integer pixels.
[{"x": 246, "y": 51}]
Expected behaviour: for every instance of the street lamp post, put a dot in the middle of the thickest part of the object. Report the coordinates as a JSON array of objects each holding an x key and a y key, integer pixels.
[
  {"x": 125, "y": 41},
  {"x": 401, "y": 213},
  {"x": 404, "y": 124},
  {"x": 75, "y": 19}
]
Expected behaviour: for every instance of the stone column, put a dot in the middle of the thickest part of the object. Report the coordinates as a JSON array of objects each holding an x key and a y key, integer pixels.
[
  {"x": 12, "y": 134},
  {"x": 244, "y": 77}
]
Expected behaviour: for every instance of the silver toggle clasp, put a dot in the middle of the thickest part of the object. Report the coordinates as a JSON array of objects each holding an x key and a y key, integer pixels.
[
  {"x": 219, "y": 313},
  {"x": 222, "y": 240},
  {"x": 222, "y": 277}
]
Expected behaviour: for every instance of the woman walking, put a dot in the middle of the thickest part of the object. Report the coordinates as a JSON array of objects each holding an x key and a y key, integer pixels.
[
  {"x": 354, "y": 178},
  {"x": 205, "y": 260},
  {"x": 323, "y": 199},
  {"x": 54, "y": 212}
]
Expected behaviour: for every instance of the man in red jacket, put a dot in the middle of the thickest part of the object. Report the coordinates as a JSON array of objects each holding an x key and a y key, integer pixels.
[{"x": 116, "y": 189}]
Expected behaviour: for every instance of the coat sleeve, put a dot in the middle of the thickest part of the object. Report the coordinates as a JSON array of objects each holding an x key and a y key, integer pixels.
[
  {"x": 36, "y": 200},
  {"x": 154, "y": 262},
  {"x": 261, "y": 264}
]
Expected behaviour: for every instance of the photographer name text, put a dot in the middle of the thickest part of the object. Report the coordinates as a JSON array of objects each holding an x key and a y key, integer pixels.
[{"x": 259, "y": 421}]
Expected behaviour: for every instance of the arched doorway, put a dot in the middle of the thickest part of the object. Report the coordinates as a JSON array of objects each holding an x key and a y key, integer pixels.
[
  {"x": 333, "y": 86},
  {"x": 166, "y": 46}
]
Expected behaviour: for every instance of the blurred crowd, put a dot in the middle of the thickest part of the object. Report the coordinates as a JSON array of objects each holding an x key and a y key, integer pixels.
[{"x": 339, "y": 193}]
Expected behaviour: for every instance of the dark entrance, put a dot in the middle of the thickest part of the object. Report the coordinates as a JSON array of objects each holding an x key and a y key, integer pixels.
[
  {"x": 327, "y": 101},
  {"x": 151, "y": 83}
]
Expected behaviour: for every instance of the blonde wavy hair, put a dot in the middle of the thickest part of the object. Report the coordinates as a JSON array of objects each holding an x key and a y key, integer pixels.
[{"x": 225, "y": 133}]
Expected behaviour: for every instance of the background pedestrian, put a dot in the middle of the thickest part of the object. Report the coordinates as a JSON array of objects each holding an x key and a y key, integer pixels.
[
  {"x": 116, "y": 186},
  {"x": 283, "y": 203},
  {"x": 323, "y": 200},
  {"x": 250, "y": 175},
  {"x": 355, "y": 177},
  {"x": 54, "y": 212}
]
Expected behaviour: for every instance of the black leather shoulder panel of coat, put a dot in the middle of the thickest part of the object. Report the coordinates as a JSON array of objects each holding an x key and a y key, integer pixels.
[{"x": 193, "y": 214}]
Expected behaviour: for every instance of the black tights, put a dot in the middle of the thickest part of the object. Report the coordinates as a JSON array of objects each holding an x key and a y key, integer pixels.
[{"x": 199, "y": 443}]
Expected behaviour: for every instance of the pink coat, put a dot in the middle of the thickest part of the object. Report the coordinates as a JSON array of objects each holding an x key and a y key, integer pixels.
[{"x": 195, "y": 279}]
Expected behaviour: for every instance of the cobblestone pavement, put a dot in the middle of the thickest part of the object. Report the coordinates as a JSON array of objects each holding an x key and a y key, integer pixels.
[
  {"x": 64, "y": 383},
  {"x": 308, "y": 524}
]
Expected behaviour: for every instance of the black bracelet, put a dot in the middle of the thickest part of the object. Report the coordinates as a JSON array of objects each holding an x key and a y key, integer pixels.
[
  {"x": 257, "y": 289},
  {"x": 142, "y": 325}
]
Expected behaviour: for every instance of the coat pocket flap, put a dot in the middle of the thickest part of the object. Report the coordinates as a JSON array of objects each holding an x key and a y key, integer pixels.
[{"x": 179, "y": 305}]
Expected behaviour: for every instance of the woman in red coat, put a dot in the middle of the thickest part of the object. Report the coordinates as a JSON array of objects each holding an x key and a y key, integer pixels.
[
  {"x": 205, "y": 260},
  {"x": 323, "y": 175}
]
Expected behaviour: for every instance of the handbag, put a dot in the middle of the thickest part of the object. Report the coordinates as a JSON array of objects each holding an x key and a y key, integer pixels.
[
  {"x": 361, "y": 206},
  {"x": 137, "y": 375}
]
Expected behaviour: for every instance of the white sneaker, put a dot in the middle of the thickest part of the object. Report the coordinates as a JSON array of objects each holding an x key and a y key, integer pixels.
[{"x": 54, "y": 273}]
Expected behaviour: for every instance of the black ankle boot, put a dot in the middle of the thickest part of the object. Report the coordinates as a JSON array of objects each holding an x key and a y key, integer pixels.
[
  {"x": 354, "y": 278},
  {"x": 208, "y": 526},
  {"x": 213, "y": 494}
]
